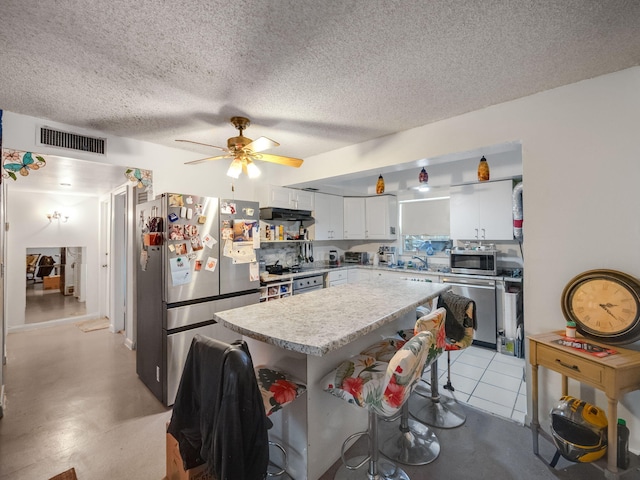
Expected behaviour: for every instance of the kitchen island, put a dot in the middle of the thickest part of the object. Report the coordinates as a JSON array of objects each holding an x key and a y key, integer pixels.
[{"x": 309, "y": 335}]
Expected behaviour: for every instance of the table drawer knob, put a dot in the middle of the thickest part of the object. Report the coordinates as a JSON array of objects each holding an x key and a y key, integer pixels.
[{"x": 572, "y": 367}]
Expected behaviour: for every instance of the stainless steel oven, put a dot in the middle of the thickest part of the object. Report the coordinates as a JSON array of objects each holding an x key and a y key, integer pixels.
[
  {"x": 474, "y": 262},
  {"x": 308, "y": 284}
]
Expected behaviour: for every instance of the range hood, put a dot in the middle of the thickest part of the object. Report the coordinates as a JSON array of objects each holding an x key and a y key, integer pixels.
[{"x": 285, "y": 214}]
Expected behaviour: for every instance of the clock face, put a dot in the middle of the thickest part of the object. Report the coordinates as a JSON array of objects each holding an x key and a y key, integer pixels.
[{"x": 605, "y": 304}]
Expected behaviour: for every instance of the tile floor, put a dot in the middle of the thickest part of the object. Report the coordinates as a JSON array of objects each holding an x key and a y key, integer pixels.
[{"x": 487, "y": 380}]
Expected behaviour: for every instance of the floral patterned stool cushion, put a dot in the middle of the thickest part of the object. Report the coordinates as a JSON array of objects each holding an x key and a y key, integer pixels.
[
  {"x": 381, "y": 387},
  {"x": 433, "y": 322},
  {"x": 277, "y": 388}
]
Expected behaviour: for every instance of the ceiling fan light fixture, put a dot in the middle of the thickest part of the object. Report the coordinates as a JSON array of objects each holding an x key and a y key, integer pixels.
[
  {"x": 235, "y": 169},
  {"x": 252, "y": 169}
]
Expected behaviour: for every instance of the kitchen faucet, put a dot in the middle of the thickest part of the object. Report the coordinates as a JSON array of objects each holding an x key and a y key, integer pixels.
[{"x": 423, "y": 260}]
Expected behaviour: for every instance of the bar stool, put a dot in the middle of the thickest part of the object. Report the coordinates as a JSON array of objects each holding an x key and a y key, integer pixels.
[
  {"x": 444, "y": 411},
  {"x": 382, "y": 388},
  {"x": 218, "y": 416},
  {"x": 221, "y": 412},
  {"x": 408, "y": 441},
  {"x": 278, "y": 389}
]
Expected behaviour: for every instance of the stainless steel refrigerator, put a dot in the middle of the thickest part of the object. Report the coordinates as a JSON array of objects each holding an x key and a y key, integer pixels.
[{"x": 196, "y": 256}]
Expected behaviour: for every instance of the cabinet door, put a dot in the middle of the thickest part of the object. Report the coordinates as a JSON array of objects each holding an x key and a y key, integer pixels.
[
  {"x": 279, "y": 197},
  {"x": 377, "y": 217},
  {"x": 354, "y": 218},
  {"x": 495, "y": 216},
  {"x": 387, "y": 274},
  {"x": 337, "y": 277},
  {"x": 381, "y": 217},
  {"x": 336, "y": 230},
  {"x": 329, "y": 216},
  {"x": 355, "y": 275},
  {"x": 322, "y": 216},
  {"x": 301, "y": 199},
  {"x": 463, "y": 209}
]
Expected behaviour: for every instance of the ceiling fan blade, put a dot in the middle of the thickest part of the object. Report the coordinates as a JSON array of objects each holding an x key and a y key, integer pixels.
[
  {"x": 288, "y": 161},
  {"x": 204, "y": 144},
  {"x": 261, "y": 144},
  {"x": 195, "y": 162}
]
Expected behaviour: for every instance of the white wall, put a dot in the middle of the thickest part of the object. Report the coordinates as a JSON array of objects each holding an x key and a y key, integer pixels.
[
  {"x": 29, "y": 227},
  {"x": 167, "y": 164},
  {"x": 581, "y": 170}
]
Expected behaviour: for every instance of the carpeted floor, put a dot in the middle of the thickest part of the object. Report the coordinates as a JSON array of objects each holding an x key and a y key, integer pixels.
[{"x": 489, "y": 447}]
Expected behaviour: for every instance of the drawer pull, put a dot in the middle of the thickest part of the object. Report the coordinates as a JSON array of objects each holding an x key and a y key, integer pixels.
[{"x": 572, "y": 367}]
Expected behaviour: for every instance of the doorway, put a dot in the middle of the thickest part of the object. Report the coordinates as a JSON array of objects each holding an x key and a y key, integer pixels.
[{"x": 55, "y": 283}]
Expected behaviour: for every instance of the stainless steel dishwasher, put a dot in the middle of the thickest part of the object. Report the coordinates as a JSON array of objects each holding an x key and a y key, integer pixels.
[{"x": 483, "y": 292}]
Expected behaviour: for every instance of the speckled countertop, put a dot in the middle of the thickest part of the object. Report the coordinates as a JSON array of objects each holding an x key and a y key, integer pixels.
[
  {"x": 267, "y": 278},
  {"x": 324, "y": 320}
]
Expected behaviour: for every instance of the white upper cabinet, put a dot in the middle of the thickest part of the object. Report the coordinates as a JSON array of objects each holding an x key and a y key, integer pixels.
[
  {"x": 354, "y": 218},
  {"x": 301, "y": 199},
  {"x": 370, "y": 218},
  {"x": 482, "y": 211},
  {"x": 329, "y": 216},
  {"x": 283, "y": 197},
  {"x": 381, "y": 215}
]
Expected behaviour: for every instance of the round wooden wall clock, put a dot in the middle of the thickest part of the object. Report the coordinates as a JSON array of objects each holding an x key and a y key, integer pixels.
[{"x": 605, "y": 305}]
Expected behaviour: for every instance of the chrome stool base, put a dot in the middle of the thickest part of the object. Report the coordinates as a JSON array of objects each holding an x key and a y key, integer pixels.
[
  {"x": 443, "y": 412},
  {"x": 274, "y": 470},
  {"x": 371, "y": 466},
  {"x": 427, "y": 405},
  {"x": 416, "y": 444},
  {"x": 386, "y": 470}
]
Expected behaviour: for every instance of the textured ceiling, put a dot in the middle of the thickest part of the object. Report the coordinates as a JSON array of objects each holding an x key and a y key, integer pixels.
[{"x": 313, "y": 75}]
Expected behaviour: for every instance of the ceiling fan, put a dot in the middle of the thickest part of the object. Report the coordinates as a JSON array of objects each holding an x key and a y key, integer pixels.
[{"x": 244, "y": 151}]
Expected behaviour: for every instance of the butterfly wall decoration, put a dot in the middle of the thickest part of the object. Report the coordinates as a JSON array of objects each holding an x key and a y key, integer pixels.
[
  {"x": 139, "y": 177},
  {"x": 14, "y": 161}
]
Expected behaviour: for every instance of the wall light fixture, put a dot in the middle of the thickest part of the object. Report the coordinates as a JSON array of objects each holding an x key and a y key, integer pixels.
[{"x": 57, "y": 216}]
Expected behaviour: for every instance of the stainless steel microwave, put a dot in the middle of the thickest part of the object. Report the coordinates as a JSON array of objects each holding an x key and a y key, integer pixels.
[{"x": 474, "y": 262}]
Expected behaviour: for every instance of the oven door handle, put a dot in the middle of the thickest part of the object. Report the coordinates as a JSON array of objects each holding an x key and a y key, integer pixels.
[{"x": 486, "y": 284}]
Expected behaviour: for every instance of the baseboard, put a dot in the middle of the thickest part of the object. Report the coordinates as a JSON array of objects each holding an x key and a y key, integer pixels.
[
  {"x": 129, "y": 344},
  {"x": 2, "y": 400}
]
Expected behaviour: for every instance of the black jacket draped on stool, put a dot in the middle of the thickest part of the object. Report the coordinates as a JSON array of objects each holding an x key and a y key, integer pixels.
[
  {"x": 218, "y": 415},
  {"x": 457, "y": 318}
]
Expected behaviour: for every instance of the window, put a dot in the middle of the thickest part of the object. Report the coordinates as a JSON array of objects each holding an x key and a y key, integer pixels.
[{"x": 423, "y": 220}]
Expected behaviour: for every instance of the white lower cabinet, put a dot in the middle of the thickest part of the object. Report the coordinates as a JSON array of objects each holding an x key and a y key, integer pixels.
[
  {"x": 355, "y": 275},
  {"x": 388, "y": 274},
  {"x": 337, "y": 277}
]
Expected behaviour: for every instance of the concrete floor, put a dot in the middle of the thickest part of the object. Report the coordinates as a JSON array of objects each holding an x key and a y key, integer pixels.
[
  {"x": 44, "y": 305},
  {"x": 73, "y": 399}
]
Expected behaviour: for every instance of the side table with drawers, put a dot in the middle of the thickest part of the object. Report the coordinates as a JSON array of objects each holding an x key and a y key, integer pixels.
[{"x": 615, "y": 375}]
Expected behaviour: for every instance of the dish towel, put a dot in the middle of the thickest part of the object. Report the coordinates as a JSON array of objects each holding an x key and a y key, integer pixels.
[{"x": 457, "y": 319}]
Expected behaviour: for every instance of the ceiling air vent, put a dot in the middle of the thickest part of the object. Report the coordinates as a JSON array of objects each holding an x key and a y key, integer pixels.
[{"x": 72, "y": 141}]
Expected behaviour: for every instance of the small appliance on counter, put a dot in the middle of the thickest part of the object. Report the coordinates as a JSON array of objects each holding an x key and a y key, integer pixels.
[
  {"x": 356, "y": 258},
  {"x": 387, "y": 255},
  {"x": 334, "y": 259}
]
